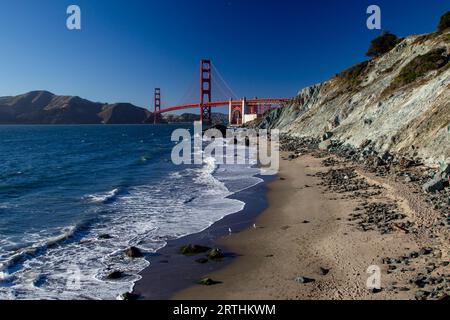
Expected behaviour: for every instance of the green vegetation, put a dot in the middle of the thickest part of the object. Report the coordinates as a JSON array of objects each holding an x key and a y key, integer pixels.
[
  {"x": 354, "y": 75},
  {"x": 419, "y": 67},
  {"x": 215, "y": 254},
  {"x": 208, "y": 282},
  {"x": 444, "y": 23},
  {"x": 382, "y": 44}
]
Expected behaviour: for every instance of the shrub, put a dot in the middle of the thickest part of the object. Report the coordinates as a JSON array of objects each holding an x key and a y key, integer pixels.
[
  {"x": 354, "y": 75},
  {"x": 382, "y": 44},
  {"x": 419, "y": 67},
  {"x": 444, "y": 23}
]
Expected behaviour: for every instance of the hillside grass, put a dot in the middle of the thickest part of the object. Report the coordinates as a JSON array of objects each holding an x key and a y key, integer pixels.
[
  {"x": 419, "y": 67},
  {"x": 354, "y": 75}
]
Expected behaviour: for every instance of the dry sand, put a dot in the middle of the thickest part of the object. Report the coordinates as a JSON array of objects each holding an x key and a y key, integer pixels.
[{"x": 306, "y": 228}]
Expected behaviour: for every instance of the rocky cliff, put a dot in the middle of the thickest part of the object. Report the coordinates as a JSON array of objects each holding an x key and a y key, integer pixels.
[
  {"x": 43, "y": 107},
  {"x": 398, "y": 102}
]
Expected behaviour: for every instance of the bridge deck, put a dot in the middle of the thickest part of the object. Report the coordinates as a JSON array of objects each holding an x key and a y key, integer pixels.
[{"x": 250, "y": 102}]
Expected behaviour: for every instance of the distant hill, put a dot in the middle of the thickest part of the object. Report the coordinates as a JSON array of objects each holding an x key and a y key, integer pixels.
[{"x": 43, "y": 107}]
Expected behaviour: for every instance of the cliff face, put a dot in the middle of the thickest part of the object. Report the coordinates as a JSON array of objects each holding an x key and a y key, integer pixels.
[
  {"x": 42, "y": 107},
  {"x": 398, "y": 102}
]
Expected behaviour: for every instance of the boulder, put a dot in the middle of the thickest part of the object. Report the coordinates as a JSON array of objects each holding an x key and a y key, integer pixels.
[
  {"x": 215, "y": 254},
  {"x": 434, "y": 185},
  {"x": 192, "y": 249},
  {"x": 325, "y": 145},
  {"x": 129, "y": 296},
  {"x": 327, "y": 136},
  {"x": 421, "y": 295},
  {"x": 115, "y": 275},
  {"x": 134, "y": 252},
  {"x": 444, "y": 171},
  {"x": 208, "y": 282}
]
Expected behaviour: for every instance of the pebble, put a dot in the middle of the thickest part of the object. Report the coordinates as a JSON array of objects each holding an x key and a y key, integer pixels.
[{"x": 304, "y": 280}]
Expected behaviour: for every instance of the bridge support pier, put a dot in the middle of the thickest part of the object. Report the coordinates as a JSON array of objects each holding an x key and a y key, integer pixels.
[
  {"x": 157, "y": 114},
  {"x": 205, "y": 91}
]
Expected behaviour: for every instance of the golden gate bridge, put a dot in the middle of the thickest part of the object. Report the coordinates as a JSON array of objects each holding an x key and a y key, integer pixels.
[{"x": 240, "y": 110}]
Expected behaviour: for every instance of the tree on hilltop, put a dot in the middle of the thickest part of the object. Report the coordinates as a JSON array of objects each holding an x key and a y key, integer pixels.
[
  {"x": 382, "y": 44},
  {"x": 444, "y": 23}
]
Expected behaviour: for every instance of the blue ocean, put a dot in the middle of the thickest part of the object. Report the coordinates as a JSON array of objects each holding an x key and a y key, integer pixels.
[{"x": 74, "y": 198}]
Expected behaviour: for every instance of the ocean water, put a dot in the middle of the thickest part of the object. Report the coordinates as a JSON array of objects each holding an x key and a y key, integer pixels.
[{"x": 63, "y": 188}]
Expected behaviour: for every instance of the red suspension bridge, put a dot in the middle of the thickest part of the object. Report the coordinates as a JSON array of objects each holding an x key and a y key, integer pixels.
[{"x": 240, "y": 110}]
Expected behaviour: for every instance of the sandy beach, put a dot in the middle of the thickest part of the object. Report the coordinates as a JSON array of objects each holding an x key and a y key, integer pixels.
[{"x": 312, "y": 241}]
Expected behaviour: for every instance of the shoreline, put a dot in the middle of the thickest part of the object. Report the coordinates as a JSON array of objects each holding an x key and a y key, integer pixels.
[
  {"x": 169, "y": 271},
  {"x": 308, "y": 244}
]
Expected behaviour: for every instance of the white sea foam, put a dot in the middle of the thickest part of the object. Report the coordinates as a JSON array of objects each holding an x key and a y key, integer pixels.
[
  {"x": 104, "y": 197},
  {"x": 146, "y": 216}
]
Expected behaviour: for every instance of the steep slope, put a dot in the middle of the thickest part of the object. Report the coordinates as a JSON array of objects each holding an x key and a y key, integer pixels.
[
  {"x": 123, "y": 113},
  {"x": 398, "y": 102}
]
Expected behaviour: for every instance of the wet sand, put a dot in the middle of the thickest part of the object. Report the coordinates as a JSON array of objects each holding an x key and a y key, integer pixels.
[
  {"x": 169, "y": 271},
  {"x": 306, "y": 228}
]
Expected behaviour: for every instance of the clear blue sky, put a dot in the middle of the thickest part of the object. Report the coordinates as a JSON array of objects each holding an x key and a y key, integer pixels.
[{"x": 268, "y": 48}]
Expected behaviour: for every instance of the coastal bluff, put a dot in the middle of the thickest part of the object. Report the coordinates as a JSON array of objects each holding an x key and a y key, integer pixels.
[{"x": 398, "y": 102}]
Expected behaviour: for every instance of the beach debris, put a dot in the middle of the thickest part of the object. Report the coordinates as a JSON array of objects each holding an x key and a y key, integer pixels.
[
  {"x": 434, "y": 185},
  {"x": 422, "y": 295},
  {"x": 134, "y": 252},
  {"x": 330, "y": 162},
  {"x": 325, "y": 145},
  {"x": 230, "y": 231},
  {"x": 376, "y": 290},
  {"x": 208, "y": 282},
  {"x": 327, "y": 136},
  {"x": 304, "y": 280},
  {"x": 425, "y": 251},
  {"x": 254, "y": 226},
  {"x": 324, "y": 271},
  {"x": 306, "y": 222},
  {"x": 380, "y": 216},
  {"x": 193, "y": 249},
  {"x": 215, "y": 254}
]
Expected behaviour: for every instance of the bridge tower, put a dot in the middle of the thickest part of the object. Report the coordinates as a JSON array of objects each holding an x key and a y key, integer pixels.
[
  {"x": 157, "y": 114},
  {"x": 205, "y": 91}
]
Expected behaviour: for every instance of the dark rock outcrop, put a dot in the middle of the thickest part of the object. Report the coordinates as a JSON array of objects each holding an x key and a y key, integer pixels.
[
  {"x": 134, "y": 252},
  {"x": 192, "y": 249},
  {"x": 215, "y": 254}
]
